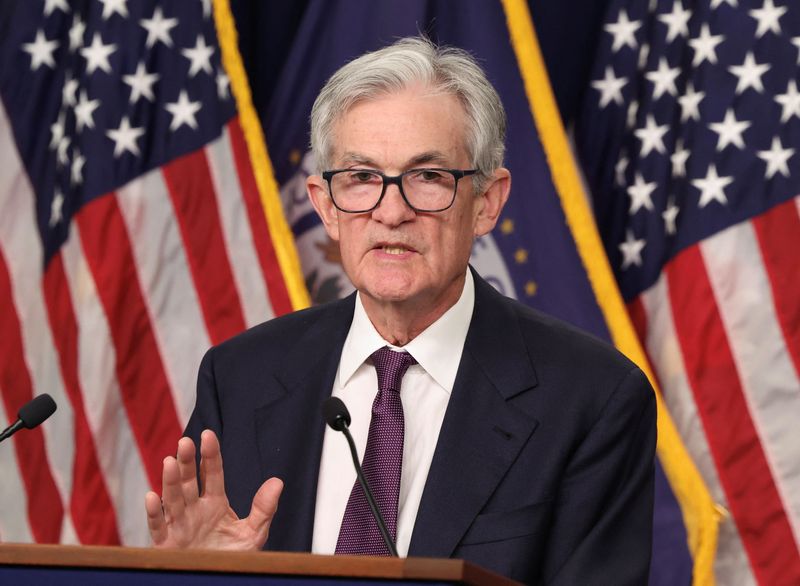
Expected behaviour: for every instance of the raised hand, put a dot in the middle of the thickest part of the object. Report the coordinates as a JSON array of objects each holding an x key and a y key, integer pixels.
[{"x": 185, "y": 518}]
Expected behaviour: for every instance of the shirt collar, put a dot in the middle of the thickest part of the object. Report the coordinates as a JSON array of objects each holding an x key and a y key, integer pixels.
[{"x": 437, "y": 349}]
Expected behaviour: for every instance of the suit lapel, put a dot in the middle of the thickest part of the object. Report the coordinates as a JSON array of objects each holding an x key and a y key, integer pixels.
[
  {"x": 482, "y": 432},
  {"x": 289, "y": 424}
]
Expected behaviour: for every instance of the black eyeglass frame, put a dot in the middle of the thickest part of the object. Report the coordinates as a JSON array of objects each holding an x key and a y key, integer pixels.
[{"x": 397, "y": 180}]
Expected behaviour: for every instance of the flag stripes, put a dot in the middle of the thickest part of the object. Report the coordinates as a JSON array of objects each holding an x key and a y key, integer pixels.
[
  {"x": 191, "y": 189},
  {"x": 778, "y": 232},
  {"x": 118, "y": 334},
  {"x": 236, "y": 231},
  {"x": 139, "y": 368},
  {"x": 90, "y": 507},
  {"x": 265, "y": 249},
  {"x": 722, "y": 351}
]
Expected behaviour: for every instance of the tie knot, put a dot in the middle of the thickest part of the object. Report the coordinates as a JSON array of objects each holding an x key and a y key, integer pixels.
[{"x": 391, "y": 366}]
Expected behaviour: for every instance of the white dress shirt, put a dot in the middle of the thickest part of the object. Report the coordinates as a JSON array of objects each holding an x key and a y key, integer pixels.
[{"x": 425, "y": 393}]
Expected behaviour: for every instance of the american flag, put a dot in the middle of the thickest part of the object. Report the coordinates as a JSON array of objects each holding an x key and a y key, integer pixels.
[
  {"x": 132, "y": 237},
  {"x": 689, "y": 138}
]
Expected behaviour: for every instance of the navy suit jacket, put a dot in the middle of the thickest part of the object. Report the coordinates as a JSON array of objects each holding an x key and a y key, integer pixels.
[{"x": 543, "y": 470}]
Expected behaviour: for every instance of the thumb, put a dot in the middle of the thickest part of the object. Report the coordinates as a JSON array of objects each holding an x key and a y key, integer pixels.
[{"x": 264, "y": 506}]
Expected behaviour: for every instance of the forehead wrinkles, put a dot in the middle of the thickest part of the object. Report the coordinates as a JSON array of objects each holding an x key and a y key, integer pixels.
[{"x": 354, "y": 153}]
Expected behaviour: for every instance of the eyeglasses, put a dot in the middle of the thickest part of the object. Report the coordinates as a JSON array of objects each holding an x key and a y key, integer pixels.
[{"x": 357, "y": 191}]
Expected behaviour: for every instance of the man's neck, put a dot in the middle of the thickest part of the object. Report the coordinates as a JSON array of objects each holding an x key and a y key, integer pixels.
[{"x": 399, "y": 322}]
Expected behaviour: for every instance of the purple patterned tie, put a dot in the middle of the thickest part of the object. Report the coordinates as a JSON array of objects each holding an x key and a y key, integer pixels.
[{"x": 383, "y": 462}]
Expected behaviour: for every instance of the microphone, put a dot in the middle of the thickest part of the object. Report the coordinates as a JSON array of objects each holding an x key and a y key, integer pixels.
[
  {"x": 32, "y": 413},
  {"x": 338, "y": 417}
]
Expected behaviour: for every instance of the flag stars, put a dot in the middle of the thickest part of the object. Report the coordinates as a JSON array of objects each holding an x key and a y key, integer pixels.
[
  {"x": 521, "y": 256},
  {"x": 223, "y": 85},
  {"x": 678, "y": 159},
  {"x": 705, "y": 46},
  {"x": 200, "y": 57},
  {"x": 76, "y": 32},
  {"x": 717, "y": 3},
  {"x": 62, "y": 157},
  {"x": 41, "y": 51},
  {"x": 68, "y": 91},
  {"x": 125, "y": 138},
  {"x": 507, "y": 226},
  {"x": 677, "y": 21},
  {"x": 183, "y": 112},
  {"x": 749, "y": 74},
  {"x": 531, "y": 288},
  {"x": 610, "y": 88},
  {"x": 776, "y": 159},
  {"x": 57, "y": 131},
  {"x": 796, "y": 43},
  {"x": 768, "y": 17},
  {"x": 790, "y": 102},
  {"x": 97, "y": 55},
  {"x": 669, "y": 216},
  {"x": 141, "y": 84},
  {"x": 663, "y": 79},
  {"x": 206, "y": 8},
  {"x": 690, "y": 103},
  {"x": 641, "y": 194},
  {"x": 51, "y": 6},
  {"x": 76, "y": 169},
  {"x": 84, "y": 111},
  {"x": 652, "y": 136},
  {"x": 623, "y": 31},
  {"x": 56, "y": 209},
  {"x": 620, "y": 168},
  {"x": 729, "y": 130},
  {"x": 712, "y": 187},
  {"x": 631, "y": 250},
  {"x": 158, "y": 28},
  {"x": 112, "y": 7}
]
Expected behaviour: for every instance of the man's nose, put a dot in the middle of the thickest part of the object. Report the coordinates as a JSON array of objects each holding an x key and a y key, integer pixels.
[{"x": 393, "y": 208}]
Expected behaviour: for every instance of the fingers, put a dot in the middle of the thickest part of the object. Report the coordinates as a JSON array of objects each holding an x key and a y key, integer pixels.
[
  {"x": 155, "y": 518},
  {"x": 187, "y": 470},
  {"x": 211, "y": 475},
  {"x": 172, "y": 493},
  {"x": 264, "y": 506}
]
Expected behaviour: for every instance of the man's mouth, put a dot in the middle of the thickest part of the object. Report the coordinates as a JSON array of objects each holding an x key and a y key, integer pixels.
[{"x": 394, "y": 249}]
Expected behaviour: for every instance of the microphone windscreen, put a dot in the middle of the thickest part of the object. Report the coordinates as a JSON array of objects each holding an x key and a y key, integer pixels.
[
  {"x": 336, "y": 414},
  {"x": 36, "y": 411}
]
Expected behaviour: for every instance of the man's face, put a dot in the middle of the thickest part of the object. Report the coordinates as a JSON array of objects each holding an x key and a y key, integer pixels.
[{"x": 394, "y": 254}]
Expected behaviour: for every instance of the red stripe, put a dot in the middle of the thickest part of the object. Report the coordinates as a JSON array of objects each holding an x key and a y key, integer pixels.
[
  {"x": 732, "y": 437},
  {"x": 139, "y": 369},
  {"x": 271, "y": 269},
  {"x": 90, "y": 504},
  {"x": 45, "y": 510},
  {"x": 778, "y": 232},
  {"x": 191, "y": 189},
  {"x": 639, "y": 318}
]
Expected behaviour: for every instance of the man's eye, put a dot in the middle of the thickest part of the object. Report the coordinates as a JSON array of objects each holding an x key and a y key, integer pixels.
[
  {"x": 429, "y": 175},
  {"x": 362, "y": 177}
]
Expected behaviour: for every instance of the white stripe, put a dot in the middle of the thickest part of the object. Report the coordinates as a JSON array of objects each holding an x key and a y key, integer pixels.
[
  {"x": 13, "y": 499},
  {"x": 730, "y": 565},
  {"x": 167, "y": 286},
  {"x": 119, "y": 459},
  {"x": 22, "y": 250},
  {"x": 247, "y": 273},
  {"x": 769, "y": 382}
]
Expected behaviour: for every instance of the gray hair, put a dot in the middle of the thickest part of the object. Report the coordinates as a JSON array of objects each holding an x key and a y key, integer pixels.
[{"x": 409, "y": 61}]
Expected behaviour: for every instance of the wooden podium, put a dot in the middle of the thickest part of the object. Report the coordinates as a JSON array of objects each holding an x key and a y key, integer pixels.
[{"x": 127, "y": 566}]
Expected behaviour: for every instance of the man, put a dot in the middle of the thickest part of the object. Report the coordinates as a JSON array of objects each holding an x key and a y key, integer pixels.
[{"x": 525, "y": 446}]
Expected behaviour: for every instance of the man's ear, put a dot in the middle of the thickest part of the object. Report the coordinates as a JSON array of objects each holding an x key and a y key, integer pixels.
[
  {"x": 318, "y": 194},
  {"x": 490, "y": 203}
]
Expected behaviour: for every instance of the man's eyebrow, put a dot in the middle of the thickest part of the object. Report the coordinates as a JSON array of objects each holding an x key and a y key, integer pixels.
[{"x": 426, "y": 158}]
